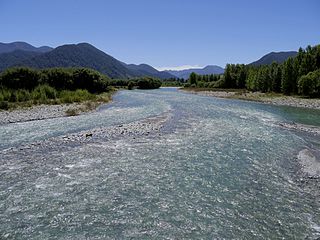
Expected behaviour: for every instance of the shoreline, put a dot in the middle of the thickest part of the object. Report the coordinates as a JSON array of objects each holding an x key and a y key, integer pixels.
[
  {"x": 49, "y": 111},
  {"x": 278, "y": 100},
  {"x": 45, "y": 111}
]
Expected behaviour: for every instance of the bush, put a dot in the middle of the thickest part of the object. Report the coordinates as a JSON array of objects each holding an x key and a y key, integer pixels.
[
  {"x": 75, "y": 96},
  {"x": 43, "y": 93},
  {"x": 22, "y": 95},
  {"x": 309, "y": 85},
  {"x": 131, "y": 85},
  {"x": 58, "y": 78},
  {"x": 148, "y": 83},
  {"x": 5, "y": 94},
  {"x": 4, "y": 105},
  {"x": 20, "y": 78}
]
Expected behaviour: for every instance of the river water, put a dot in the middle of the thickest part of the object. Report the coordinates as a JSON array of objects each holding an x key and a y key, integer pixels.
[{"x": 218, "y": 168}]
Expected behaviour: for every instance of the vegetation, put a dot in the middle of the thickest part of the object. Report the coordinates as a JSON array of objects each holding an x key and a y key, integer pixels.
[
  {"x": 141, "y": 83},
  {"x": 309, "y": 84},
  {"x": 204, "y": 81},
  {"x": 26, "y": 86},
  {"x": 298, "y": 75},
  {"x": 50, "y": 86},
  {"x": 148, "y": 83}
]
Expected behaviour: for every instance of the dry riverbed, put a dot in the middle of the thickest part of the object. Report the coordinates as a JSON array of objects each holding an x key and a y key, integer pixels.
[
  {"x": 263, "y": 97},
  {"x": 40, "y": 112}
]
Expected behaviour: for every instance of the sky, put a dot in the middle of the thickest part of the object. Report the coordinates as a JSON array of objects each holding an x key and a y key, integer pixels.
[{"x": 167, "y": 34}]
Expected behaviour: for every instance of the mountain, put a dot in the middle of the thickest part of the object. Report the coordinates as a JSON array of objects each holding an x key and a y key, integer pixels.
[
  {"x": 14, "y": 46},
  {"x": 210, "y": 69},
  {"x": 147, "y": 70},
  {"x": 278, "y": 57},
  {"x": 16, "y": 58},
  {"x": 81, "y": 55},
  {"x": 77, "y": 55}
]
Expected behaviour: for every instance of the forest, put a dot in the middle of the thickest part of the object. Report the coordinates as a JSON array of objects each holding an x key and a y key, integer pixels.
[{"x": 295, "y": 76}]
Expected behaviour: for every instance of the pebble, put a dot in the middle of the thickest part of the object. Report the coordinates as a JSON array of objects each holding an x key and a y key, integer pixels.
[{"x": 38, "y": 112}]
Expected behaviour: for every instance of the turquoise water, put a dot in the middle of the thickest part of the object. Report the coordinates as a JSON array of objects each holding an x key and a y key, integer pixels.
[{"x": 219, "y": 169}]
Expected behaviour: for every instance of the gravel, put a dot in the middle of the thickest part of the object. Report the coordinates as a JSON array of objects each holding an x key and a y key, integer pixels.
[
  {"x": 38, "y": 112},
  {"x": 261, "y": 97}
]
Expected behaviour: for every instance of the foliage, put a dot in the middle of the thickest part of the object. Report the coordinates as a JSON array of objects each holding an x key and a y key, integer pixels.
[
  {"x": 131, "y": 85},
  {"x": 309, "y": 85},
  {"x": 20, "y": 78},
  {"x": 290, "y": 77},
  {"x": 148, "y": 83},
  {"x": 58, "y": 78},
  {"x": 79, "y": 95}
]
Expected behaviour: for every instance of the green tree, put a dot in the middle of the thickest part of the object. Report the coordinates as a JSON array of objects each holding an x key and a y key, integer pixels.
[{"x": 193, "y": 79}]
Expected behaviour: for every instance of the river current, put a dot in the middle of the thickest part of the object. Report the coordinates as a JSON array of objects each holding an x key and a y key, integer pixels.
[{"x": 218, "y": 168}]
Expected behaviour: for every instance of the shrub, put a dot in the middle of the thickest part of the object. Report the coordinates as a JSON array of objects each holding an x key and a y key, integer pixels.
[
  {"x": 75, "y": 96},
  {"x": 131, "y": 85},
  {"x": 148, "y": 83},
  {"x": 23, "y": 95},
  {"x": 309, "y": 85},
  {"x": 44, "y": 92},
  {"x": 4, "y": 105},
  {"x": 21, "y": 77}
]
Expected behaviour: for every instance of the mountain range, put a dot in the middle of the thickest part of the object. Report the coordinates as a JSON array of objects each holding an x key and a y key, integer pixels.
[
  {"x": 23, "y": 46},
  {"x": 86, "y": 55},
  {"x": 72, "y": 55},
  {"x": 210, "y": 69}
]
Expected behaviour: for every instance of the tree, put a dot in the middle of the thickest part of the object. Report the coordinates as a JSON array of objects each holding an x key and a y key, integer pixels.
[
  {"x": 309, "y": 85},
  {"x": 193, "y": 79},
  {"x": 287, "y": 76}
]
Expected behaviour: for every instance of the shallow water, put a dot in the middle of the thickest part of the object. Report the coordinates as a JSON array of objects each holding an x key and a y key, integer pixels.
[{"x": 219, "y": 169}]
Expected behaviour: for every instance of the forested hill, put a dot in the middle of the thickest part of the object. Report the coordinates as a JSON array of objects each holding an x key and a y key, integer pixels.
[
  {"x": 278, "y": 57},
  {"x": 78, "y": 55},
  {"x": 23, "y": 46}
]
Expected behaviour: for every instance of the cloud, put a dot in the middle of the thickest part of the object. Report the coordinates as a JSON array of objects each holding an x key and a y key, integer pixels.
[{"x": 178, "y": 68}]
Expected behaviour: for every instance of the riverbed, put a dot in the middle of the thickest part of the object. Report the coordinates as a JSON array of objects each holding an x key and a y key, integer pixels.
[{"x": 163, "y": 164}]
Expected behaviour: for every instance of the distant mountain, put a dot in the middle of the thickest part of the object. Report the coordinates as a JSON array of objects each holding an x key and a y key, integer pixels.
[
  {"x": 147, "y": 70},
  {"x": 278, "y": 57},
  {"x": 77, "y": 55},
  {"x": 14, "y": 46},
  {"x": 210, "y": 69}
]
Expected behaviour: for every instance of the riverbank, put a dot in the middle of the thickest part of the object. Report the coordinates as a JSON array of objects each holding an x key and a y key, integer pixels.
[
  {"x": 47, "y": 111},
  {"x": 40, "y": 112},
  {"x": 274, "y": 99}
]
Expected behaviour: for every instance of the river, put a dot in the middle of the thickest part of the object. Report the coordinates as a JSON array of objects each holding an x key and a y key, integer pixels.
[{"x": 216, "y": 168}]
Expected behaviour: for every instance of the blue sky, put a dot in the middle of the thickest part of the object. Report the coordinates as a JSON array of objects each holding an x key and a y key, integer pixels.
[{"x": 166, "y": 33}]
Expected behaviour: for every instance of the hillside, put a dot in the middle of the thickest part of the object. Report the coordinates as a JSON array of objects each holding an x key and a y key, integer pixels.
[
  {"x": 278, "y": 57},
  {"x": 77, "y": 55},
  {"x": 210, "y": 69},
  {"x": 23, "y": 46},
  {"x": 16, "y": 58},
  {"x": 147, "y": 70}
]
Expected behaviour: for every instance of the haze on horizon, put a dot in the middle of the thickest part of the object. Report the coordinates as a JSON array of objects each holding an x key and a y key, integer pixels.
[{"x": 167, "y": 34}]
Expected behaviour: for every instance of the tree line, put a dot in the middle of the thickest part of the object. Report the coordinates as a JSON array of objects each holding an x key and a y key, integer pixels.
[
  {"x": 58, "y": 78},
  {"x": 298, "y": 75},
  {"x": 22, "y": 85}
]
